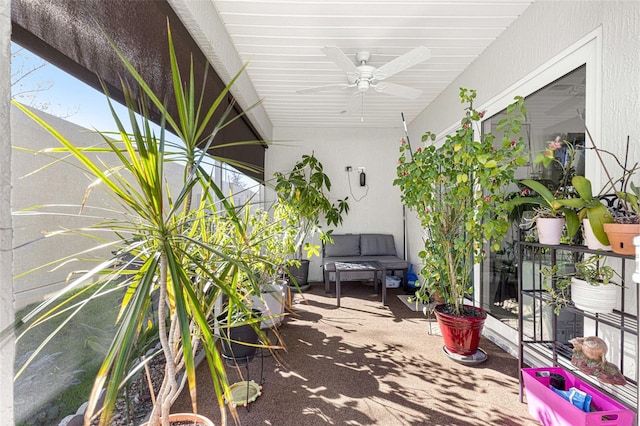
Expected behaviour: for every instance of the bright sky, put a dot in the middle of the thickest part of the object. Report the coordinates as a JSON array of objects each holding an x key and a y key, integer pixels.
[
  {"x": 63, "y": 95},
  {"x": 66, "y": 97}
]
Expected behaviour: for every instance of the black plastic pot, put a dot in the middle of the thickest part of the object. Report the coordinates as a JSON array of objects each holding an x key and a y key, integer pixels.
[
  {"x": 237, "y": 342},
  {"x": 301, "y": 274}
]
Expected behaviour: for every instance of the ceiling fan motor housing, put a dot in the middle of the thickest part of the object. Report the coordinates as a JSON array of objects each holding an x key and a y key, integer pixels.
[
  {"x": 363, "y": 57},
  {"x": 365, "y": 77}
]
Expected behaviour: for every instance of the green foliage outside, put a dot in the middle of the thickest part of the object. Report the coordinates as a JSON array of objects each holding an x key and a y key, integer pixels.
[{"x": 69, "y": 362}]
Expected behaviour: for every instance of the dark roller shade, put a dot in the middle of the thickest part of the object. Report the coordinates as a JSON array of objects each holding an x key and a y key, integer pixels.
[{"x": 69, "y": 34}]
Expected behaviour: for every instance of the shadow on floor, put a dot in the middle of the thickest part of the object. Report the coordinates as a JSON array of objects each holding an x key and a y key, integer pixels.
[{"x": 365, "y": 364}]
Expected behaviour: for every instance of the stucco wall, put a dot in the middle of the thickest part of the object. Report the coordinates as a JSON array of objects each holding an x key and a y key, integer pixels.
[
  {"x": 58, "y": 187},
  {"x": 379, "y": 209},
  {"x": 37, "y": 181},
  {"x": 544, "y": 31},
  {"x": 6, "y": 284}
]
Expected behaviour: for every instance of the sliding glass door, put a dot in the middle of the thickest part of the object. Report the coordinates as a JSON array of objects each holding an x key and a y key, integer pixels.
[{"x": 554, "y": 112}]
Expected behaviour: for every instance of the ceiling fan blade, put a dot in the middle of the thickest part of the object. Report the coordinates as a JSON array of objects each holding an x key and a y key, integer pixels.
[
  {"x": 327, "y": 88},
  {"x": 401, "y": 63},
  {"x": 336, "y": 55},
  {"x": 398, "y": 90}
]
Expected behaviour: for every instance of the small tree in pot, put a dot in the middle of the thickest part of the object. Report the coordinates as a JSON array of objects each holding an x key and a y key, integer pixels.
[
  {"x": 458, "y": 193},
  {"x": 304, "y": 204}
]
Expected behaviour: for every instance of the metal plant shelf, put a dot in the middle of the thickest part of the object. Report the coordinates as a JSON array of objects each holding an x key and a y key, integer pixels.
[
  {"x": 544, "y": 345},
  {"x": 627, "y": 394}
]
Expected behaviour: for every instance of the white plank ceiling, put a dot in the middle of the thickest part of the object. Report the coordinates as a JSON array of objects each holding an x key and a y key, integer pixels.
[{"x": 283, "y": 42}]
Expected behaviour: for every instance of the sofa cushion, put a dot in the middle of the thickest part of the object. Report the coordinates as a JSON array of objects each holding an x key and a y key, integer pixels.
[
  {"x": 343, "y": 245},
  {"x": 377, "y": 245}
]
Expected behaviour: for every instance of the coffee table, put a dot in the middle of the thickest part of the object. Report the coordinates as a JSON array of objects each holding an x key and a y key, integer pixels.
[{"x": 359, "y": 266}]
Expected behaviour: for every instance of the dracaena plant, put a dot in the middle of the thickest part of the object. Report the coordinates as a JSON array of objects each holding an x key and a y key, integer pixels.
[
  {"x": 457, "y": 190},
  {"x": 189, "y": 252}
]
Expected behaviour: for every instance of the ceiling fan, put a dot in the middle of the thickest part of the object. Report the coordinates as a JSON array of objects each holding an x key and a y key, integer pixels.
[{"x": 362, "y": 76}]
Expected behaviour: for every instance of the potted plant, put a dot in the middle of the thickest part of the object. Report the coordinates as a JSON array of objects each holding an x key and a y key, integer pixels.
[
  {"x": 457, "y": 190},
  {"x": 554, "y": 200},
  {"x": 274, "y": 290},
  {"x": 625, "y": 210},
  {"x": 588, "y": 286},
  {"x": 626, "y": 223},
  {"x": 574, "y": 192},
  {"x": 592, "y": 213},
  {"x": 240, "y": 338},
  {"x": 183, "y": 264},
  {"x": 267, "y": 234},
  {"x": 303, "y": 204}
]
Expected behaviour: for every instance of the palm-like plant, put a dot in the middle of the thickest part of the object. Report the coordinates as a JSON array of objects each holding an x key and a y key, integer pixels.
[{"x": 187, "y": 257}]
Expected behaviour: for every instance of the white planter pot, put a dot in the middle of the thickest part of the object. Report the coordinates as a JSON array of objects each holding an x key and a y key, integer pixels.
[
  {"x": 272, "y": 305},
  {"x": 636, "y": 274},
  {"x": 590, "y": 239},
  {"x": 550, "y": 229},
  {"x": 600, "y": 299}
]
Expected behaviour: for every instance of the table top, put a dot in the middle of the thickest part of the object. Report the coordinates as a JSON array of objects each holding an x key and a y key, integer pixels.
[{"x": 355, "y": 265}]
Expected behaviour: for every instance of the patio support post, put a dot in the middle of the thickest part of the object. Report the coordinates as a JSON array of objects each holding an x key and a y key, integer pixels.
[{"x": 7, "y": 343}]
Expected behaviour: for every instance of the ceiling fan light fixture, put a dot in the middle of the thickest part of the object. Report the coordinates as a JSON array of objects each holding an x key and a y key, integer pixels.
[{"x": 363, "y": 85}]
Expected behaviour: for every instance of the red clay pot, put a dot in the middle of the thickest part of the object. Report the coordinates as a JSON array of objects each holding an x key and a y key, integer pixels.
[
  {"x": 461, "y": 334},
  {"x": 621, "y": 236}
]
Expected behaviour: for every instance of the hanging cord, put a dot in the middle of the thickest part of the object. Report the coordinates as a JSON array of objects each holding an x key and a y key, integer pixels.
[{"x": 357, "y": 200}]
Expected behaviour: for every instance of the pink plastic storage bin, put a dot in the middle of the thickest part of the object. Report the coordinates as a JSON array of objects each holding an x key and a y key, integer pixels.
[{"x": 551, "y": 409}]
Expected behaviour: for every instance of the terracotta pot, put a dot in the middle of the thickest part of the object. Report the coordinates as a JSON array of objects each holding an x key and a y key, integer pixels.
[
  {"x": 187, "y": 417},
  {"x": 461, "y": 334},
  {"x": 550, "y": 229},
  {"x": 438, "y": 298},
  {"x": 600, "y": 299},
  {"x": 621, "y": 236}
]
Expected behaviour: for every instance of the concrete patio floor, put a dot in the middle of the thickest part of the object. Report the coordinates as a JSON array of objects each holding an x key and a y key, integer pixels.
[{"x": 365, "y": 364}]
